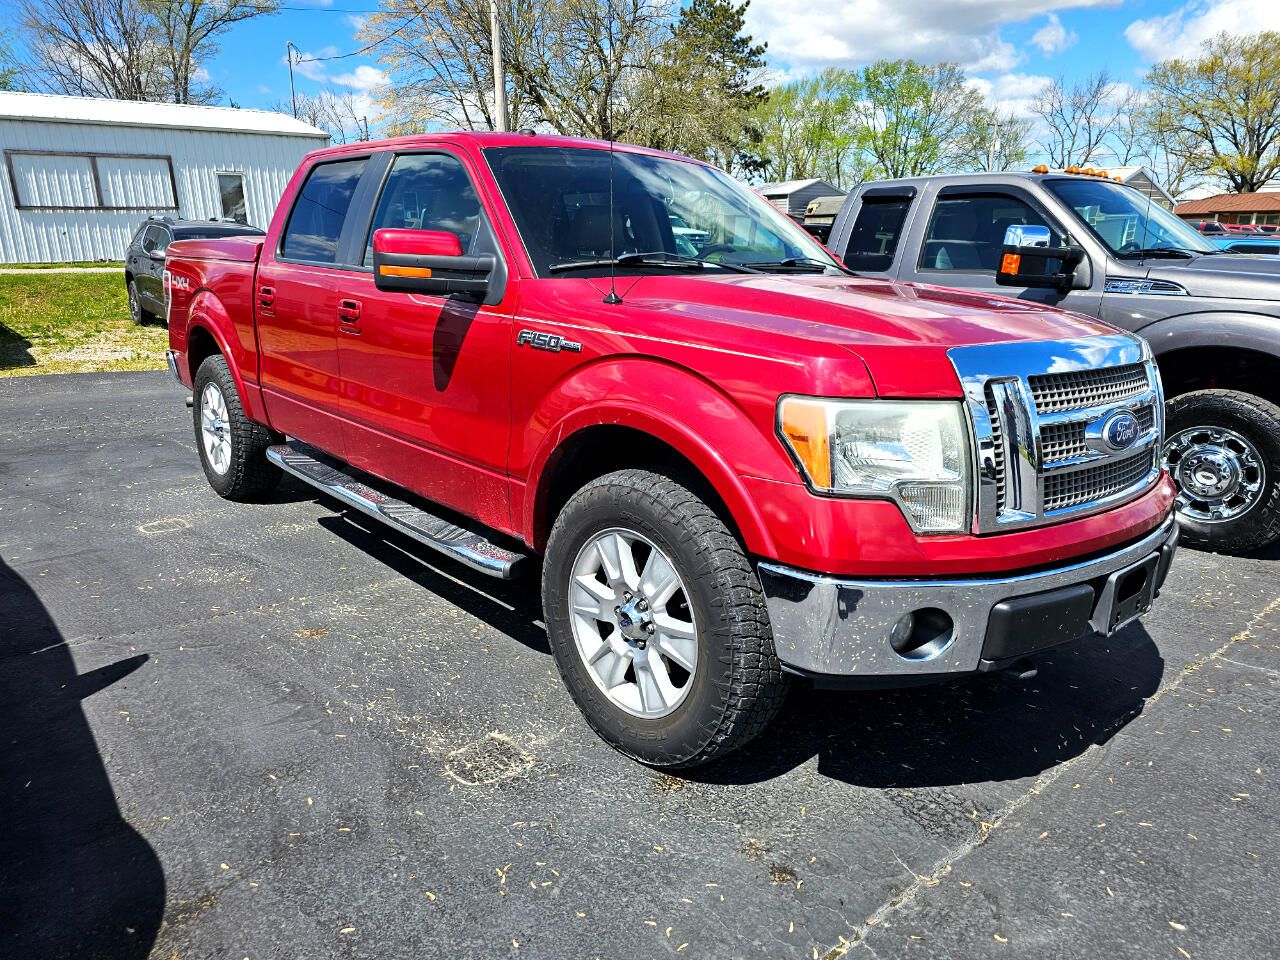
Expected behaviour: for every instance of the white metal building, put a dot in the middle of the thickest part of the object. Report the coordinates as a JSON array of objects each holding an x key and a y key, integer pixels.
[{"x": 80, "y": 174}]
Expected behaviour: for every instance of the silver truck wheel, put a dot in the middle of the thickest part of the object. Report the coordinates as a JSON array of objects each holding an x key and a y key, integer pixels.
[
  {"x": 632, "y": 623},
  {"x": 215, "y": 430},
  {"x": 1219, "y": 473}
]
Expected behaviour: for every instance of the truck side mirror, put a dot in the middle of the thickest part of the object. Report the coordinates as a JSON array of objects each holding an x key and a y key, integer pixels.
[
  {"x": 1027, "y": 259},
  {"x": 429, "y": 261}
]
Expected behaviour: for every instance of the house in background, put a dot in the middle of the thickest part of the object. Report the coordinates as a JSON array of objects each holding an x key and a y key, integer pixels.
[
  {"x": 1143, "y": 179},
  {"x": 80, "y": 174},
  {"x": 793, "y": 196},
  {"x": 1260, "y": 207}
]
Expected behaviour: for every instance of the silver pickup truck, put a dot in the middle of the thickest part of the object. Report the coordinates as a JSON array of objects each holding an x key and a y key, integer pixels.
[{"x": 1086, "y": 243}]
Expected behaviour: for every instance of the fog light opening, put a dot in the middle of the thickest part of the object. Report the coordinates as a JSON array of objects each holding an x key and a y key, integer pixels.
[{"x": 922, "y": 634}]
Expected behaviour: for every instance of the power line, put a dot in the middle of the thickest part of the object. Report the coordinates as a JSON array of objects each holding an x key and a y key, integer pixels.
[{"x": 365, "y": 49}]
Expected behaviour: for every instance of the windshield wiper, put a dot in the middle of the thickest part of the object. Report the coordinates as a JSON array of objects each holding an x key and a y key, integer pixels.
[
  {"x": 795, "y": 263},
  {"x": 657, "y": 258},
  {"x": 1172, "y": 253}
]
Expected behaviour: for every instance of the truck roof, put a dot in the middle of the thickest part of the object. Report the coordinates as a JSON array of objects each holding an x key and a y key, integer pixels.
[
  {"x": 1003, "y": 177},
  {"x": 485, "y": 139}
]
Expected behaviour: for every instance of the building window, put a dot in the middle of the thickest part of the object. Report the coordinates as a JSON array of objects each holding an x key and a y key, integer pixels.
[
  {"x": 231, "y": 192},
  {"x": 48, "y": 180}
]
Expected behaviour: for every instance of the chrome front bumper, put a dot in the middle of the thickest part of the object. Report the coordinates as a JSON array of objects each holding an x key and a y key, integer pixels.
[
  {"x": 171, "y": 358},
  {"x": 827, "y": 626}
]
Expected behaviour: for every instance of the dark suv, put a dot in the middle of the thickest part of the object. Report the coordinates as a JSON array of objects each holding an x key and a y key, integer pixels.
[{"x": 144, "y": 260}]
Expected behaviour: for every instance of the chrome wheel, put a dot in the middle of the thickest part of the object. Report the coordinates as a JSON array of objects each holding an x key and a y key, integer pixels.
[
  {"x": 215, "y": 430},
  {"x": 1220, "y": 475},
  {"x": 632, "y": 623}
]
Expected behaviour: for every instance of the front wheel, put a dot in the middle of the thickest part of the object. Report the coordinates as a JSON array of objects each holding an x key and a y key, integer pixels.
[
  {"x": 1223, "y": 452},
  {"x": 136, "y": 313},
  {"x": 657, "y": 622}
]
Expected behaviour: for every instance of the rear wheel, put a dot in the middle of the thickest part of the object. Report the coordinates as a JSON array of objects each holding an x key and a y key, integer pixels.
[
  {"x": 136, "y": 313},
  {"x": 657, "y": 621},
  {"x": 1222, "y": 449},
  {"x": 233, "y": 449}
]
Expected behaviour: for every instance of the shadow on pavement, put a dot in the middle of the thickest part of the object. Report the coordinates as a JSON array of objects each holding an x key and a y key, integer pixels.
[
  {"x": 989, "y": 727},
  {"x": 75, "y": 879}
]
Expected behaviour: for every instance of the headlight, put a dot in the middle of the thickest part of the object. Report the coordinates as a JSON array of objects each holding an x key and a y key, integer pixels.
[{"x": 913, "y": 451}]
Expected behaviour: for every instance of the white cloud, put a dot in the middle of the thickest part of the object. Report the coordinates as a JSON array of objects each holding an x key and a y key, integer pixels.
[
  {"x": 1011, "y": 92},
  {"x": 848, "y": 33},
  {"x": 363, "y": 78},
  {"x": 306, "y": 64},
  {"x": 1180, "y": 33},
  {"x": 358, "y": 21},
  {"x": 1053, "y": 37}
]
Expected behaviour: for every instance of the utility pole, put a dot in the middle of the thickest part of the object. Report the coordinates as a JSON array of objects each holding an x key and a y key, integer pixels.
[
  {"x": 293, "y": 96},
  {"x": 499, "y": 79},
  {"x": 993, "y": 151}
]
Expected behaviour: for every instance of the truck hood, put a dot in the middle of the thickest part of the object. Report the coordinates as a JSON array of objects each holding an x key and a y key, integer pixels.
[
  {"x": 902, "y": 331},
  {"x": 1231, "y": 276}
]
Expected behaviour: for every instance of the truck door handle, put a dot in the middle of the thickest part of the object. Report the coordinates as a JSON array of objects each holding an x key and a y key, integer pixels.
[
  {"x": 349, "y": 311},
  {"x": 266, "y": 296}
]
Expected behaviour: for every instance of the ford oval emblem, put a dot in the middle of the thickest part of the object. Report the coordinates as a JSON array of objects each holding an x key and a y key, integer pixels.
[{"x": 1120, "y": 430}]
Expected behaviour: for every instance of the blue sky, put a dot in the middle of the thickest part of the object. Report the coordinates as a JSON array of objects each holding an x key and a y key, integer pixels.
[{"x": 1010, "y": 47}]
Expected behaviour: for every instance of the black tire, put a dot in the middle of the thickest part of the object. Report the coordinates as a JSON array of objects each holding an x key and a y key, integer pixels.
[
  {"x": 738, "y": 685},
  {"x": 1258, "y": 422},
  {"x": 248, "y": 474},
  {"x": 137, "y": 314}
]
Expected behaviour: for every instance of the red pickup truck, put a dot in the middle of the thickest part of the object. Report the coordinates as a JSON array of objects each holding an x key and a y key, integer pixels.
[{"x": 736, "y": 461}]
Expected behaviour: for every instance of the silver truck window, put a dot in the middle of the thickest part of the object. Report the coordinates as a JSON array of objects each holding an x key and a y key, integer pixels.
[
  {"x": 966, "y": 233},
  {"x": 873, "y": 242}
]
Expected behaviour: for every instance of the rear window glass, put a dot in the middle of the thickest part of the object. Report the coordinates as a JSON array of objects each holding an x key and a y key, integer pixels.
[
  {"x": 315, "y": 224},
  {"x": 873, "y": 242}
]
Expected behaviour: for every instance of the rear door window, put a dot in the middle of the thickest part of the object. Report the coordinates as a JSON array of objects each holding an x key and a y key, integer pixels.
[
  {"x": 873, "y": 242},
  {"x": 315, "y": 223},
  {"x": 156, "y": 240}
]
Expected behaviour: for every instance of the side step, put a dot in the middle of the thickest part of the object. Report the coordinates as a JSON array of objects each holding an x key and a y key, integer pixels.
[{"x": 462, "y": 545}]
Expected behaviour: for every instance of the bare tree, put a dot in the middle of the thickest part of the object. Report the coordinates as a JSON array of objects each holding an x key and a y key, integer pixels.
[
  {"x": 993, "y": 141},
  {"x": 1078, "y": 119},
  {"x": 128, "y": 49},
  {"x": 574, "y": 66},
  {"x": 340, "y": 113}
]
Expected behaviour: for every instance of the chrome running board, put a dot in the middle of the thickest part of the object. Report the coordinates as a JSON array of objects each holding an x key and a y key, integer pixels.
[{"x": 465, "y": 546}]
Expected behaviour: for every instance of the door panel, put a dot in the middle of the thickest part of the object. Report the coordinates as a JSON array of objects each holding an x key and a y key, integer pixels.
[
  {"x": 425, "y": 380},
  {"x": 297, "y": 296}
]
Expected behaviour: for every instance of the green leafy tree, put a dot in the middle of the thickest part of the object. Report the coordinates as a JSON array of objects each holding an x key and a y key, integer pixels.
[
  {"x": 911, "y": 117},
  {"x": 1221, "y": 110},
  {"x": 807, "y": 130}
]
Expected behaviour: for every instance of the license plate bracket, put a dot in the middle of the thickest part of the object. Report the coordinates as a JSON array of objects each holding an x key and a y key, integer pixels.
[{"x": 1126, "y": 595}]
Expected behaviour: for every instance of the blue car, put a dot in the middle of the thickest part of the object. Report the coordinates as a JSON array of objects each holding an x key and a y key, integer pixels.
[{"x": 1234, "y": 243}]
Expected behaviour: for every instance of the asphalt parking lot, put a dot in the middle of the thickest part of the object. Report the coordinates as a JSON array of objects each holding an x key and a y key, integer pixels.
[{"x": 270, "y": 731}]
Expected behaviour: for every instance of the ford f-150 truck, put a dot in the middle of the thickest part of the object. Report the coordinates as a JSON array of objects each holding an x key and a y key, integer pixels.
[
  {"x": 1078, "y": 240},
  {"x": 731, "y": 468}
]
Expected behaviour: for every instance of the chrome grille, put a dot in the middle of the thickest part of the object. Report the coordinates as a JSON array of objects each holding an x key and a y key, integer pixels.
[
  {"x": 1075, "y": 487},
  {"x": 1039, "y": 437},
  {"x": 1065, "y": 441},
  {"x": 998, "y": 451},
  {"x": 1054, "y": 392}
]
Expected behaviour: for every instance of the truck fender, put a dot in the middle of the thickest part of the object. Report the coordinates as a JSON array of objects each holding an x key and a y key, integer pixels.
[
  {"x": 1248, "y": 331},
  {"x": 630, "y": 390},
  {"x": 206, "y": 312}
]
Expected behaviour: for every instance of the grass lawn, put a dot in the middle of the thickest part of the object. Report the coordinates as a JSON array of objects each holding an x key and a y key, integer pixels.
[{"x": 72, "y": 323}]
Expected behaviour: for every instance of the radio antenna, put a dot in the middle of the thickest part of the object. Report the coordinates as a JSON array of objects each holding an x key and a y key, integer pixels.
[{"x": 612, "y": 297}]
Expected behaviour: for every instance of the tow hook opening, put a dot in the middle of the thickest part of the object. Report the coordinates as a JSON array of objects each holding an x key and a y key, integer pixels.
[{"x": 922, "y": 634}]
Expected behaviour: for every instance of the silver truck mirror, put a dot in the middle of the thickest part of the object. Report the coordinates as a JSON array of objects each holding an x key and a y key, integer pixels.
[{"x": 1024, "y": 235}]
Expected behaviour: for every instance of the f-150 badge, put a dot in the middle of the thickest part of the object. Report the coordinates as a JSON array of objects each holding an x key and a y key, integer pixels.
[{"x": 546, "y": 341}]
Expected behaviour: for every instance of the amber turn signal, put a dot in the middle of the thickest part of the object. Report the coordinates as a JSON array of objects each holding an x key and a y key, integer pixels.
[
  {"x": 389, "y": 270},
  {"x": 804, "y": 424},
  {"x": 1011, "y": 263}
]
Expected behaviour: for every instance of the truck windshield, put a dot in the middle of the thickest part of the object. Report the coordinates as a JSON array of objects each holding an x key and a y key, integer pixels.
[
  {"x": 1126, "y": 221},
  {"x": 667, "y": 215}
]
